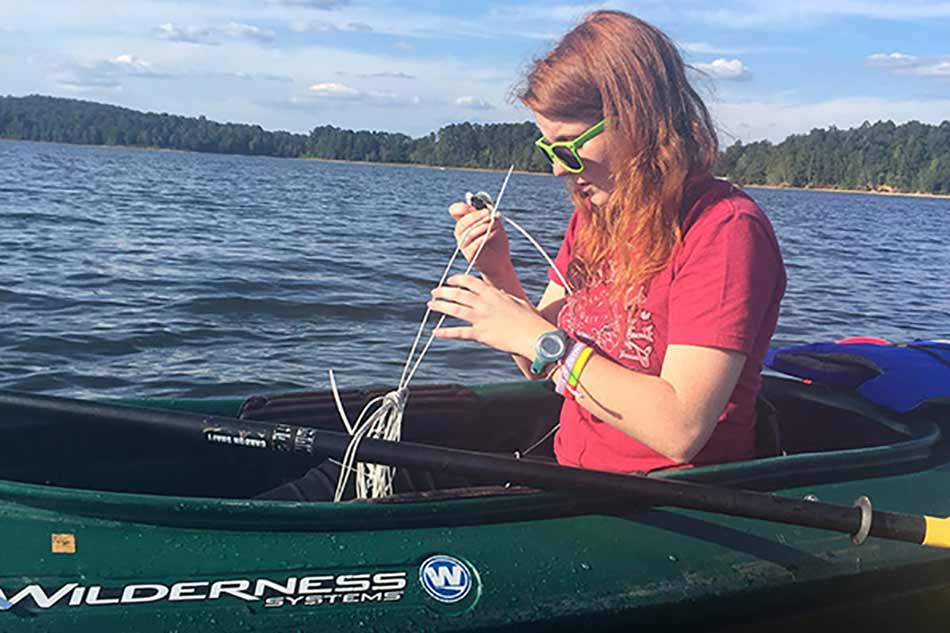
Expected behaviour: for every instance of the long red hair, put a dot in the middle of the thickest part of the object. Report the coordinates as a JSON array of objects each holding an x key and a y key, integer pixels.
[{"x": 659, "y": 135}]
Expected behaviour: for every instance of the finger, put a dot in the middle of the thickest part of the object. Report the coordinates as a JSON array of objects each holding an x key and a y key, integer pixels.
[
  {"x": 480, "y": 239},
  {"x": 460, "y": 333},
  {"x": 451, "y": 309},
  {"x": 456, "y": 295},
  {"x": 469, "y": 282},
  {"x": 460, "y": 209},
  {"x": 477, "y": 233},
  {"x": 470, "y": 220}
]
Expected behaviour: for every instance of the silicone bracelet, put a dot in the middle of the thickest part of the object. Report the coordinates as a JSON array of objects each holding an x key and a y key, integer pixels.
[
  {"x": 569, "y": 359},
  {"x": 579, "y": 366}
]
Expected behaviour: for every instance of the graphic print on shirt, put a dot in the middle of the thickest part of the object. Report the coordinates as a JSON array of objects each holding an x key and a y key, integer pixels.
[
  {"x": 638, "y": 344},
  {"x": 591, "y": 317}
]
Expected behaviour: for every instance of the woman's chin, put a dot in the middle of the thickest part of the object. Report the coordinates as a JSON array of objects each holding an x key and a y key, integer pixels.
[
  {"x": 597, "y": 198},
  {"x": 592, "y": 196}
]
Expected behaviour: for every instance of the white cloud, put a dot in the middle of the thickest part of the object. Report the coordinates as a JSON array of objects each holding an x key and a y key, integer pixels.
[
  {"x": 312, "y": 26},
  {"x": 238, "y": 29},
  {"x": 891, "y": 60},
  {"x": 705, "y": 48},
  {"x": 190, "y": 34},
  {"x": 903, "y": 64},
  {"x": 193, "y": 34},
  {"x": 473, "y": 103},
  {"x": 325, "y": 26},
  {"x": 114, "y": 72},
  {"x": 702, "y": 48},
  {"x": 725, "y": 69},
  {"x": 105, "y": 73},
  {"x": 132, "y": 63},
  {"x": 333, "y": 90},
  {"x": 254, "y": 76},
  {"x": 386, "y": 74}
]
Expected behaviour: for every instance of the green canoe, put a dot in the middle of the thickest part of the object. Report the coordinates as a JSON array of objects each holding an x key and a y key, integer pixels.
[{"x": 106, "y": 526}]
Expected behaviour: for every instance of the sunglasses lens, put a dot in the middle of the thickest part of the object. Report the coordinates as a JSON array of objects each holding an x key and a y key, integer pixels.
[{"x": 567, "y": 157}]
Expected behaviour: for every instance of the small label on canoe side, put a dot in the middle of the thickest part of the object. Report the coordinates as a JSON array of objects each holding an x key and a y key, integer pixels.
[
  {"x": 233, "y": 437},
  {"x": 63, "y": 543}
]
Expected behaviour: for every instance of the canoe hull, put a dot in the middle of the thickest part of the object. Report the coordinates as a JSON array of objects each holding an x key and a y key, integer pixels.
[
  {"x": 646, "y": 567},
  {"x": 86, "y": 560}
]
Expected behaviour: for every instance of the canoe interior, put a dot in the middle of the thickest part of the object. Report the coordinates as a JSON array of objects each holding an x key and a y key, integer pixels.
[{"x": 825, "y": 436}]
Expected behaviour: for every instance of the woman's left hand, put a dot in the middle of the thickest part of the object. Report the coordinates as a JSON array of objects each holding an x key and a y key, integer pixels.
[{"x": 497, "y": 319}]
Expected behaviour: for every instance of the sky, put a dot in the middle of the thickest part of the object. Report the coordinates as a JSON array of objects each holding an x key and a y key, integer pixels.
[{"x": 768, "y": 68}]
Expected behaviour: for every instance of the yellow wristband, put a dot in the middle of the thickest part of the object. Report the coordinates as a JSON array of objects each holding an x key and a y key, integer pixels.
[{"x": 578, "y": 367}]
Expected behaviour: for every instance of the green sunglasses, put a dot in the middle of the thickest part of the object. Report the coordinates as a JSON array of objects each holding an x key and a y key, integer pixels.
[{"x": 564, "y": 153}]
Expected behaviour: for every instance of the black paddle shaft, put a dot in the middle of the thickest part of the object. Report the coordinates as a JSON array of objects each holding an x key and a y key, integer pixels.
[{"x": 304, "y": 441}]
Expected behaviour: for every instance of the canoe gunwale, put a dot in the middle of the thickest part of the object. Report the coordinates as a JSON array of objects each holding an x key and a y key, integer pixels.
[
  {"x": 234, "y": 514},
  {"x": 916, "y": 453},
  {"x": 770, "y": 474}
]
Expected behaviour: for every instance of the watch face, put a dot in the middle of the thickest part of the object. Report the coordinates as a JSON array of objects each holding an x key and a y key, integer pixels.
[{"x": 551, "y": 346}]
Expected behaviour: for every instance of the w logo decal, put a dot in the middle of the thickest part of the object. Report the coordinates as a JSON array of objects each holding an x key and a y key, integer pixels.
[{"x": 445, "y": 578}]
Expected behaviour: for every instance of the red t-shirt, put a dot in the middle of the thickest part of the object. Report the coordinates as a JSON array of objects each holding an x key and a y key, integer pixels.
[{"x": 722, "y": 288}]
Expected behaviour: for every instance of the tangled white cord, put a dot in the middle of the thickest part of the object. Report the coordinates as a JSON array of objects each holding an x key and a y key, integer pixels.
[{"x": 376, "y": 480}]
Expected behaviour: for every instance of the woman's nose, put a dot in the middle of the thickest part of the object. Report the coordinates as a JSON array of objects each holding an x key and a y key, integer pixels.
[{"x": 558, "y": 169}]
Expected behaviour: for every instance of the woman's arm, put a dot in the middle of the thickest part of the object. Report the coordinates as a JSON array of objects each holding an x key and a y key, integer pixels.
[{"x": 673, "y": 413}]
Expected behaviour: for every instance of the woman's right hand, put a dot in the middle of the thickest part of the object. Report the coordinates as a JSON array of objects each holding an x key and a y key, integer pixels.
[{"x": 471, "y": 230}]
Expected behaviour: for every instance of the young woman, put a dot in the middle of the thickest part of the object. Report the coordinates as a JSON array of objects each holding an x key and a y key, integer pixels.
[{"x": 676, "y": 277}]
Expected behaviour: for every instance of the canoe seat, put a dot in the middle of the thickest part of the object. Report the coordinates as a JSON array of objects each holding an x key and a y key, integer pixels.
[
  {"x": 820, "y": 419},
  {"x": 768, "y": 435}
]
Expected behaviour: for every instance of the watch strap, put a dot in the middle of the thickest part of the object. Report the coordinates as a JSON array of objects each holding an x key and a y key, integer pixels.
[{"x": 540, "y": 362}]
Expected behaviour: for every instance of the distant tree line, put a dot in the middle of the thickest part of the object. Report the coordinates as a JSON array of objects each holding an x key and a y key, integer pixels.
[
  {"x": 913, "y": 157},
  {"x": 39, "y": 118}
]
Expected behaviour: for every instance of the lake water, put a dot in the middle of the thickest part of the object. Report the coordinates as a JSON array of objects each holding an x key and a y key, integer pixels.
[{"x": 133, "y": 272}]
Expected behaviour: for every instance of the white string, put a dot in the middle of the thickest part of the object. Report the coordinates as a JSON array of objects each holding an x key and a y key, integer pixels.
[
  {"x": 375, "y": 480},
  {"x": 493, "y": 212},
  {"x": 540, "y": 249}
]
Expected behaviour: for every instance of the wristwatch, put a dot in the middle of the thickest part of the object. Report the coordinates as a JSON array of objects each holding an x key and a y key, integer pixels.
[{"x": 550, "y": 348}]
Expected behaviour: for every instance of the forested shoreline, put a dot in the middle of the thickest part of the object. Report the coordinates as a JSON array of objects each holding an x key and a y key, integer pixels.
[{"x": 912, "y": 158}]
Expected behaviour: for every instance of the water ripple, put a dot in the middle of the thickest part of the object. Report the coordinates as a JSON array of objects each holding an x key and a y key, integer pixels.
[{"x": 130, "y": 272}]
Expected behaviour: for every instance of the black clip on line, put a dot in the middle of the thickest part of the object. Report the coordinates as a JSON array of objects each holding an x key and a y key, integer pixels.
[{"x": 478, "y": 200}]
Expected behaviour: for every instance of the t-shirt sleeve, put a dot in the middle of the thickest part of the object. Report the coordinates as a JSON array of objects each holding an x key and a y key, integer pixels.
[
  {"x": 725, "y": 282},
  {"x": 565, "y": 253}
]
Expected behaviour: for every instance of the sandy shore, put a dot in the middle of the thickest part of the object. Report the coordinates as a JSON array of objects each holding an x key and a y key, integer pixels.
[{"x": 832, "y": 190}]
